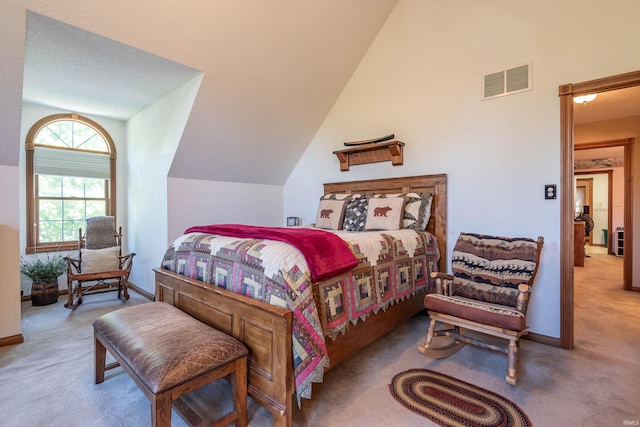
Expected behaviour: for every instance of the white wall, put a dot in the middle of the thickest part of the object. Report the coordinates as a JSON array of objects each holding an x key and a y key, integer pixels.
[
  {"x": 421, "y": 79},
  {"x": 154, "y": 135},
  {"x": 11, "y": 69},
  {"x": 197, "y": 202},
  {"x": 160, "y": 208},
  {"x": 30, "y": 115},
  {"x": 9, "y": 253}
]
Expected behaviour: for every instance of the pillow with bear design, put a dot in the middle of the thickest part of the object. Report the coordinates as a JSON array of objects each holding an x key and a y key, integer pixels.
[
  {"x": 384, "y": 213},
  {"x": 330, "y": 214}
]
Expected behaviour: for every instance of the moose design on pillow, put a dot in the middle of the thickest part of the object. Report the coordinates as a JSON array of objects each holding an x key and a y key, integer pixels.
[{"x": 381, "y": 211}]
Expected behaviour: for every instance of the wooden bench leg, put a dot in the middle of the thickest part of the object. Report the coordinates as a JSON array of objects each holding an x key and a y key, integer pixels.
[
  {"x": 161, "y": 410},
  {"x": 239, "y": 390},
  {"x": 100, "y": 354}
]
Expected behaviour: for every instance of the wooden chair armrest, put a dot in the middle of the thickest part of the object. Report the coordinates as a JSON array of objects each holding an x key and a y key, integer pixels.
[
  {"x": 443, "y": 282},
  {"x": 523, "y": 297},
  {"x": 126, "y": 261},
  {"x": 73, "y": 265},
  {"x": 440, "y": 275}
]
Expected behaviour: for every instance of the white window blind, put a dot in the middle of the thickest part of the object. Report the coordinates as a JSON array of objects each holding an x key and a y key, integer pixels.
[{"x": 52, "y": 161}]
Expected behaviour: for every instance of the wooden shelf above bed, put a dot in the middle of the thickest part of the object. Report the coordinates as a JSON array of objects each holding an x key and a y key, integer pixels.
[{"x": 371, "y": 153}]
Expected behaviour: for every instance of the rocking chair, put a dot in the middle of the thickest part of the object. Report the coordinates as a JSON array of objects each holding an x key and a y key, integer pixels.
[
  {"x": 488, "y": 292},
  {"x": 100, "y": 266}
]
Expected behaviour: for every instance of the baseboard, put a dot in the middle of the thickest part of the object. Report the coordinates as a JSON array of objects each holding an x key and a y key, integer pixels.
[
  {"x": 131, "y": 286},
  {"x": 12, "y": 340},
  {"x": 142, "y": 292},
  {"x": 543, "y": 339}
]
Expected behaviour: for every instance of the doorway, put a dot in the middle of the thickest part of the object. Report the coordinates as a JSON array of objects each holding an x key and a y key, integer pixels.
[
  {"x": 584, "y": 204},
  {"x": 567, "y": 207}
]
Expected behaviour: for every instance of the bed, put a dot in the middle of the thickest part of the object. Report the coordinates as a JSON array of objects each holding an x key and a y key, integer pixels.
[{"x": 272, "y": 332}]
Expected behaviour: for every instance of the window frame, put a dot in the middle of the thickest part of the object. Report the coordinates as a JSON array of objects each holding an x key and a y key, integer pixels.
[{"x": 32, "y": 224}]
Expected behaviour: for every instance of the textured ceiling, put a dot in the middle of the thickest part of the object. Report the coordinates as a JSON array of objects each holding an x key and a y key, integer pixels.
[
  {"x": 76, "y": 70},
  {"x": 271, "y": 71},
  {"x": 615, "y": 104}
]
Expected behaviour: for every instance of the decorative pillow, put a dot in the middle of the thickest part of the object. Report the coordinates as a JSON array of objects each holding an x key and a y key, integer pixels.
[
  {"x": 355, "y": 215},
  {"x": 338, "y": 196},
  {"x": 330, "y": 214},
  {"x": 426, "y": 215},
  {"x": 417, "y": 210},
  {"x": 97, "y": 260},
  {"x": 384, "y": 213}
]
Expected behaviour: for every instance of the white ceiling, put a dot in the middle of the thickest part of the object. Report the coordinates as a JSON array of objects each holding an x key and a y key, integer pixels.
[
  {"x": 614, "y": 104},
  {"x": 79, "y": 71},
  {"x": 271, "y": 72}
]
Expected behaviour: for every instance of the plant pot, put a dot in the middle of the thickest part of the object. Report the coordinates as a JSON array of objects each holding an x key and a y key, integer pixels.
[{"x": 44, "y": 293}]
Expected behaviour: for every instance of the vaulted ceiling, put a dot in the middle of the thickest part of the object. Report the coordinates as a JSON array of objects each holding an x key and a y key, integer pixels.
[{"x": 271, "y": 71}]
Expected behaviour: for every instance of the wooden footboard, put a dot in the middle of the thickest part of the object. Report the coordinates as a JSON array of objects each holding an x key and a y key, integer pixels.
[{"x": 265, "y": 329}]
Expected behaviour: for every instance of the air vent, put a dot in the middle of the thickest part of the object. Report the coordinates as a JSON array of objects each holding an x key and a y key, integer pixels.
[{"x": 507, "y": 82}]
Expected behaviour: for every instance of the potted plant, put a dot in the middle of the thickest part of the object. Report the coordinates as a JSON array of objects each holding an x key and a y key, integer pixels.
[{"x": 44, "y": 275}]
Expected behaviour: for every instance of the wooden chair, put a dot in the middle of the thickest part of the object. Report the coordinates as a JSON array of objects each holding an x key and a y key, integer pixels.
[
  {"x": 100, "y": 265},
  {"x": 488, "y": 292}
]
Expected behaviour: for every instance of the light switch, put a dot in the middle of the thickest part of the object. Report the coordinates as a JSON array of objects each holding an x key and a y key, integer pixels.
[{"x": 550, "y": 192}]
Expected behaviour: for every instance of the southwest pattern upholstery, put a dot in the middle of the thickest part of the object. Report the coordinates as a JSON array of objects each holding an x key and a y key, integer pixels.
[
  {"x": 391, "y": 266},
  {"x": 490, "y": 268}
]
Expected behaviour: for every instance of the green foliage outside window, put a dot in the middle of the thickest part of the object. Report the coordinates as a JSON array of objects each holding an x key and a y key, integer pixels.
[{"x": 64, "y": 203}]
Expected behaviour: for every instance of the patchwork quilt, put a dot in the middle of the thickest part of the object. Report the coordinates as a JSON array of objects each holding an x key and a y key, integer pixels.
[{"x": 392, "y": 265}]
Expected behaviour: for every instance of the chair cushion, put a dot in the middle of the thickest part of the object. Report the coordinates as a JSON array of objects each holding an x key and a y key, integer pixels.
[
  {"x": 100, "y": 232},
  {"x": 165, "y": 346},
  {"x": 480, "y": 312},
  {"x": 99, "y": 260},
  {"x": 490, "y": 268}
]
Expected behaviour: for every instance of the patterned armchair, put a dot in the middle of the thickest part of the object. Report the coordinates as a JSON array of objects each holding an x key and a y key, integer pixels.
[
  {"x": 488, "y": 292},
  {"x": 100, "y": 265}
]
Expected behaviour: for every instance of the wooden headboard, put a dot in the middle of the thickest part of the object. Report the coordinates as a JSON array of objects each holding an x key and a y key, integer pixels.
[{"x": 434, "y": 184}]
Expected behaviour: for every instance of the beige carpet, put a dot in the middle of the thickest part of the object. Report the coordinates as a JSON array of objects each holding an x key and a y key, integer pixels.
[{"x": 48, "y": 380}]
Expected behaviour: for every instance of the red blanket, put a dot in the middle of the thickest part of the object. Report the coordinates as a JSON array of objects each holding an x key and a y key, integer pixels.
[{"x": 327, "y": 255}]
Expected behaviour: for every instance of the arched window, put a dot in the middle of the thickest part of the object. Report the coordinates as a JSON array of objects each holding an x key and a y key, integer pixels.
[{"x": 71, "y": 175}]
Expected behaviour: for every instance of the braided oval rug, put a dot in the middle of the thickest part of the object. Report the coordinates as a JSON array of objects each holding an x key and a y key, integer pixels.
[{"x": 451, "y": 402}]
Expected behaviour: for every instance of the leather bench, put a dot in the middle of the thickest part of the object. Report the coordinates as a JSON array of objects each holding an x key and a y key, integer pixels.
[{"x": 169, "y": 354}]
